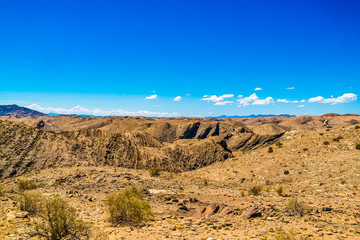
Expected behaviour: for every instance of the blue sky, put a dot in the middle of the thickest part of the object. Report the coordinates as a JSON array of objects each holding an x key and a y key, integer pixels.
[{"x": 107, "y": 57}]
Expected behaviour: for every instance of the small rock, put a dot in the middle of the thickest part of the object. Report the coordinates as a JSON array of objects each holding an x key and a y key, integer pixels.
[{"x": 21, "y": 214}]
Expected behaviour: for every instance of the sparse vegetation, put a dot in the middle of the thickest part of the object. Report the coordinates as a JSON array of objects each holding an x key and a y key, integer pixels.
[
  {"x": 337, "y": 139},
  {"x": 59, "y": 220},
  {"x": 26, "y": 184},
  {"x": 286, "y": 172},
  {"x": 295, "y": 207},
  {"x": 255, "y": 190},
  {"x": 128, "y": 207},
  {"x": 279, "y": 190},
  {"x": 357, "y": 127},
  {"x": 205, "y": 181},
  {"x": 357, "y": 146},
  {"x": 326, "y": 142},
  {"x": 270, "y": 150},
  {"x": 321, "y": 134},
  {"x": 305, "y": 149},
  {"x": 2, "y": 190},
  {"x": 30, "y": 202},
  {"x": 155, "y": 171},
  {"x": 343, "y": 181},
  {"x": 279, "y": 144}
]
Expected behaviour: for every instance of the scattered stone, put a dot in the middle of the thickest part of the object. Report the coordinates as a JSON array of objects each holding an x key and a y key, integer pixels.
[{"x": 251, "y": 212}]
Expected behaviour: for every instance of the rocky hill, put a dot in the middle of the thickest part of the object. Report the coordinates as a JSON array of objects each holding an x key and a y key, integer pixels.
[{"x": 17, "y": 111}]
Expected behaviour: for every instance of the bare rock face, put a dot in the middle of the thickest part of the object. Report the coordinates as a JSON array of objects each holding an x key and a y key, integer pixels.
[{"x": 251, "y": 212}]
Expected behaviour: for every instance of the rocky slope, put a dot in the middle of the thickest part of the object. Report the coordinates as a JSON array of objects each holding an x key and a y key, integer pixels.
[
  {"x": 16, "y": 111},
  {"x": 172, "y": 145}
]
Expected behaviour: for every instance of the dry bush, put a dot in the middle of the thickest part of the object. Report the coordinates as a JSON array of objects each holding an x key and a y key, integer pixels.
[
  {"x": 255, "y": 190},
  {"x": 155, "y": 171},
  {"x": 25, "y": 184},
  {"x": 326, "y": 142},
  {"x": 30, "y": 202},
  {"x": 58, "y": 220},
  {"x": 128, "y": 207},
  {"x": 296, "y": 208},
  {"x": 279, "y": 144},
  {"x": 2, "y": 190},
  {"x": 279, "y": 190},
  {"x": 357, "y": 127},
  {"x": 270, "y": 150}
]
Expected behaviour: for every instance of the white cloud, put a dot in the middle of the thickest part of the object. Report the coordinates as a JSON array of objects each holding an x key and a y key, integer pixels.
[
  {"x": 152, "y": 97},
  {"x": 253, "y": 99},
  {"x": 214, "y": 98},
  {"x": 282, "y": 100},
  {"x": 296, "y": 101},
  {"x": 265, "y": 101},
  {"x": 99, "y": 112},
  {"x": 345, "y": 98},
  {"x": 222, "y": 103},
  {"x": 301, "y": 106},
  {"x": 188, "y": 94},
  {"x": 258, "y": 89},
  {"x": 303, "y": 100},
  {"x": 290, "y": 88},
  {"x": 178, "y": 98}
]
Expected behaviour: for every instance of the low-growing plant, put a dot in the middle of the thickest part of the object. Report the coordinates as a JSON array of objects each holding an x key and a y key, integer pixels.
[
  {"x": 279, "y": 190},
  {"x": 326, "y": 142},
  {"x": 206, "y": 181},
  {"x": 328, "y": 130},
  {"x": 30, "y": 202},
  {"x": 337, "y": 139},
  {"x": 286, "y": 172},
  {"x": 242, "y": 193},
  {"x": 321, "y": 134},
  {"x": 270, "y": 150},
  {"x": 305, "y": 149},
  {"x": 2, "y": 190},
  {"x": 295, "y": 207},
  {"x": 128, "y": 207},
  {"x": 59, "y": 220},
  {"x": 357, "y": 146},
  {"x": 342, "y": 181},
  {"x": 255, "y": 190},
  {"x": 155, "y": 171},
  {"x": 279, "y": 144},
  {"x": 357, "y": 127},
  {"x": 25, "y": 184}
]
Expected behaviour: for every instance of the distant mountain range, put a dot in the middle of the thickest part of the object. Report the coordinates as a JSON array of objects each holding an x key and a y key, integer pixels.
[
  {"x": 17, "y": 111},
  {"x": 255, "y": 116}
]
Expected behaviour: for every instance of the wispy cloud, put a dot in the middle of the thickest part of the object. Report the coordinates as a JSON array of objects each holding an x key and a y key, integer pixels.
[
  {"x": 258, "y": 89},
  {"x": 253, "y": 99},
  {"x": 177, "y": 99},
  {"x": 300, "y": 106},
  {"x": 154, "y": 96},
  {"x": 290, "y": 88},
  {"x": 99, "y": 112},
  {"x": 345, "y": 98},
  {"x": 283, "y": 101},
  {"x": 223, "y": 103}
]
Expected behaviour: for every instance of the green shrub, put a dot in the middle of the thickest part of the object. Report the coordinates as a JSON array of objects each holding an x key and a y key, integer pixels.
[
  {"x": 2, "y": 190},
  {"x": 326, "y": 142},
  {"x": 155, "y": 171},
  {"x": 328, "y": 130},
  {"x": 286, "y": 172},
  {"x": 279, "y": 144},
  {"x": 279, "y": 190},
  {"x": 282, "y": 235},
  {"x": 59, "y": 220},
  {"x": 30, "y": 202},
  {"x": 357, "y": 127},
  {"x": 321, "y": 134},
  {"x": 337, "y": 139},
  {"x": 295, "y": 207},
  {"x": 128, "y": 207},
  {"x": 25, "y": 184},
  {"x": 305, "y": 149},
  {"x": 270, "y": 150},
  {"x": 255, "y": 190},
  {"x": 357, "y": 146}
]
